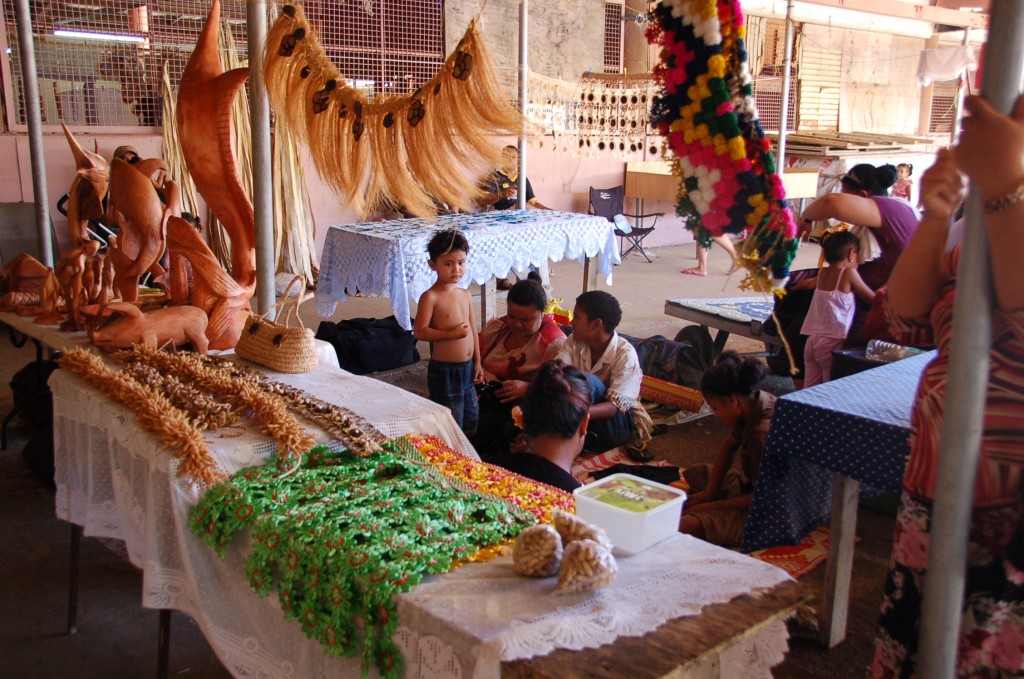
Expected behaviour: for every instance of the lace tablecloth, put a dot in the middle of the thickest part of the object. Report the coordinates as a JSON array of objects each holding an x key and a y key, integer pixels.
[
  {"x": 389, "y": 259},
  {"x": 857, "y": 426},
  {"x": 118, "y": 482}
]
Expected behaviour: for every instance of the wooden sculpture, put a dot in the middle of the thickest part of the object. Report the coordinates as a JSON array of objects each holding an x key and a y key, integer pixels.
[
  {"x": 177, "y": 326},
  {"x": 88, "y": 189},
  {"x": 71, "y": 276},
  {"x": 136, "y": 206},
  {"x": 50, "y": 301},
  {"x": 204, "y": 127}
]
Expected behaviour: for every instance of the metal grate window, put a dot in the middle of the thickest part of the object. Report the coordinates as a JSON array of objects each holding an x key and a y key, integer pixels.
[
  {"x": 943, "y": 106},
  {"x": 100, "y": 62},
  {"x": 386, "y": 46},
  {"x": 768, "y": 95},
  {"x": 612, "y": 37}
]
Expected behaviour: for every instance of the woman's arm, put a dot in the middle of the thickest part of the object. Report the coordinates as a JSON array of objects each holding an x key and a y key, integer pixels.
[
  {"x": 918, "y": 275},
  {"x": 991, "y": 153},
  {"x": 846, "y": 208}
]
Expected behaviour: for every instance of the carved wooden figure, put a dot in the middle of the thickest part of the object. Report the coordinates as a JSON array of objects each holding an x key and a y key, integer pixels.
[{"x": 177, "y": 326}]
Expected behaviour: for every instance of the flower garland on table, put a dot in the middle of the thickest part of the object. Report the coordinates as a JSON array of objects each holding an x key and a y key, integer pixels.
[
  {"x": 204, "y": 411},
  {"x": 708, "y": 116},
  {"x": 537, "y": 498},
  {"x": 341, "y": 534},
  {"x": 156, "y": 414}
]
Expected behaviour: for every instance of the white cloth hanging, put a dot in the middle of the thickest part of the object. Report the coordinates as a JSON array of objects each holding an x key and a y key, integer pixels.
[{"x": 945, "y": 63}]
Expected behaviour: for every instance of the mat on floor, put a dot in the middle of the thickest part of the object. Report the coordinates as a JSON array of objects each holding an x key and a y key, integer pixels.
[{"x": 799, "y": 559}]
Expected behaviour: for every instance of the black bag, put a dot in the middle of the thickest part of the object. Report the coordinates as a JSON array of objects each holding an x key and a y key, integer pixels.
[
  {"x": 680, "y": 361},
  {"x": 32, "y": 398},
  {"x": 366, "y": 345}
]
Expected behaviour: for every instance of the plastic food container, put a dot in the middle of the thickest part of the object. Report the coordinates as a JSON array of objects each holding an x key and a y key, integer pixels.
[{"x": 634, "y": 512}]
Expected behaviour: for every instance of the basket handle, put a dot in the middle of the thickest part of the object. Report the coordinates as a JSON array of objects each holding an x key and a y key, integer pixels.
[{"x": 287, "y": 306}]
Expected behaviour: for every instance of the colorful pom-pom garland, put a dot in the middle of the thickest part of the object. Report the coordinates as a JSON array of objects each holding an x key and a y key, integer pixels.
[{"x": 707, "y": 114}]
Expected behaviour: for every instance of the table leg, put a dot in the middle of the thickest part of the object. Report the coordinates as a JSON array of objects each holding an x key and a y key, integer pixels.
[
  {"x": 488, "y": 302},
  {"x": 836, "y": 595},
  {"x": 76, "y": 557},
  {"x": 163, "y": 643},
  {"x": 589, "y": 274}
]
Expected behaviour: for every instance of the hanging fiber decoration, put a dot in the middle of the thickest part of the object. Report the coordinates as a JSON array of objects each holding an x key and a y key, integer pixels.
[
  {"x": 409, "y": 152},
  {"x": 707, "y": 113}
]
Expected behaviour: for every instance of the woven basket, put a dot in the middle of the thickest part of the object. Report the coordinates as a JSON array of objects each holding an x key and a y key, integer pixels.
[
  {"x": 670, "y": 394},
  {"x": 277, "y": 344}
]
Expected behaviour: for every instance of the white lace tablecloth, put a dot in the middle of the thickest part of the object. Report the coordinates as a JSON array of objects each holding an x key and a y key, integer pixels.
[
  {"x": 118, "y": 482},
  {"x": 389, "y": 259}
]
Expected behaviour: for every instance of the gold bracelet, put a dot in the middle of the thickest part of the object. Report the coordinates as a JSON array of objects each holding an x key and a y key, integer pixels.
[{"x": 995, "y": 205}]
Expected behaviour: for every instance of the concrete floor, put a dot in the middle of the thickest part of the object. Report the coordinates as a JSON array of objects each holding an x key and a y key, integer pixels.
[{"x": 117, "y": 638}]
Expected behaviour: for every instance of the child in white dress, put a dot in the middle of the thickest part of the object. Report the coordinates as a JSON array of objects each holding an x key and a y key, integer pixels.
[{"x": 833, "y": 306}]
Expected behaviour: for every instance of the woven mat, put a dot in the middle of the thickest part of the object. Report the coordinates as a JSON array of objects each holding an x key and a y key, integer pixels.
[{"x": 797, "y": 560}]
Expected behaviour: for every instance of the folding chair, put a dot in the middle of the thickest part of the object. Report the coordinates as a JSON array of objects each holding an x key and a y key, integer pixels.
[{"x": 607, "y": 203}]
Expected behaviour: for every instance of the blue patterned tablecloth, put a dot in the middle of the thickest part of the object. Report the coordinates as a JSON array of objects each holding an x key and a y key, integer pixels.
[
  {"x": 857, "y": 426},
  {"x": 389, "y": 259},
  {"x": 740, "y": 309}
]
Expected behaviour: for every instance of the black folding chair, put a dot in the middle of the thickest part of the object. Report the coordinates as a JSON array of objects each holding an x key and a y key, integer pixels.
[{"x": 607, "y": 203}]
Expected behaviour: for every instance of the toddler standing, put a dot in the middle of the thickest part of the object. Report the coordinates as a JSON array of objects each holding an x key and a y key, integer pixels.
[
  {"x": 832, "y": 306},
  {"x": 444, "y": 318},
  {"x": 904, "y": 185}
]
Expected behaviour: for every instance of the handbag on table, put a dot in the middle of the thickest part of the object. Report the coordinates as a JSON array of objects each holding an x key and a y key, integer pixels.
[{"x": 280, "y": 345}]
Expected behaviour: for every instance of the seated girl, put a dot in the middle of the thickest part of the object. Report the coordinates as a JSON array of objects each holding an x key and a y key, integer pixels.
[{"x": 720, "y": 494}]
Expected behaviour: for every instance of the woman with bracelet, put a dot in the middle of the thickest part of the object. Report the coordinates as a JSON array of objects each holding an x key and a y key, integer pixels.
[
  {"x": 863, "y": 200},
  {"x": 922, "y": 290}
]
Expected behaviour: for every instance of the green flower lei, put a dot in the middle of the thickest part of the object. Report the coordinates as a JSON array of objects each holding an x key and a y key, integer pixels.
[{"x": 339, "y": 535}]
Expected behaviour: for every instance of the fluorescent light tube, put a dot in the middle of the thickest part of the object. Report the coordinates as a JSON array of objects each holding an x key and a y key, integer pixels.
[{"x": 109, "y": 37}]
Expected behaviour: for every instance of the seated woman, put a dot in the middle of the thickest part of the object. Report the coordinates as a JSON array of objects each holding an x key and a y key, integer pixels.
[
  {"x": 862, "y": 201},
  {"x": 555, "y": 417},
  {"x": 720, "y": 495},
  {"x": 512, "y": 348}
]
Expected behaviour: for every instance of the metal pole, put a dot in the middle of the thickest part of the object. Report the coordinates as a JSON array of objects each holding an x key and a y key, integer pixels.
[
  {"x": 262, "y": 180},
  {"x": 968, "y": 376},
  {"x": 30, "y": 88},
  {"x": 787, "y": 67},
  {"x": 524, "y": 75}
]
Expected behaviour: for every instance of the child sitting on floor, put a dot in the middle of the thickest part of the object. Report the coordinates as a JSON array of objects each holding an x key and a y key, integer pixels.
[
  {"x": 720, "y": 495},
  {"x": 611, "y": 365},
  {"x": 832, "y": 308},
  {"x": 445, "y": 319}
]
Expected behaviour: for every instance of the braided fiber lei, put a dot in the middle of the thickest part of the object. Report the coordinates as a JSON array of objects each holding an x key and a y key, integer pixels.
[
  {"x": 707, "y": 114},
  {"x": 339, "y": 534}
]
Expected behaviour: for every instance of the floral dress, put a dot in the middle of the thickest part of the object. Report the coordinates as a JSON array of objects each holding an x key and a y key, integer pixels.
[{"x": 991, "y": 642}]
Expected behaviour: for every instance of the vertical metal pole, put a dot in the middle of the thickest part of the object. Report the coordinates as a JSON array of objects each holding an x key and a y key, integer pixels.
[
  {"x": 787, "y": 68},
  {"x": 968, "y": 377},
  {"x": 73, "y": 576},
  {"x": 524, "y": 75},
  {"x": 30, "y": 88},
  {"x": 262, "y": 180}
]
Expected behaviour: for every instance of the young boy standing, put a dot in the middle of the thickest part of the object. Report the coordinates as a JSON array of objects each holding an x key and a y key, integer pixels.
[
  {"x": 611, "y": 365},
  {"x": 445, "y": 319}
]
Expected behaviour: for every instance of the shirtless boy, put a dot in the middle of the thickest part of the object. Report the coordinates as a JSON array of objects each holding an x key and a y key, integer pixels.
[{"x": 445, "y": 319}]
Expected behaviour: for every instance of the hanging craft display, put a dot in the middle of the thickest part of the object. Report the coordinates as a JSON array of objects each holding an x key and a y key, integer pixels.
[
  {"x": 604, "y": 115},
  {"x": 408, "y": 152},
  {"x": 706, "y": 112},
  {"x": 340, "y": 535}
]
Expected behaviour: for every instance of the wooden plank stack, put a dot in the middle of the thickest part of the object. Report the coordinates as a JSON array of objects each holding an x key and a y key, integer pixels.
[{"x": 847, "y": 143}]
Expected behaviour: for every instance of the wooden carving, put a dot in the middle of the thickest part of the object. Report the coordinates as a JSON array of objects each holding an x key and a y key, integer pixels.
[
  {"x": 170, "y": 325},
  {"x": 88, "y": 188}
]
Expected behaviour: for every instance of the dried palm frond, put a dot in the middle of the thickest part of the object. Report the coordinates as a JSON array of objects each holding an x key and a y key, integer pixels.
[{"x": 410, "y": 151}]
